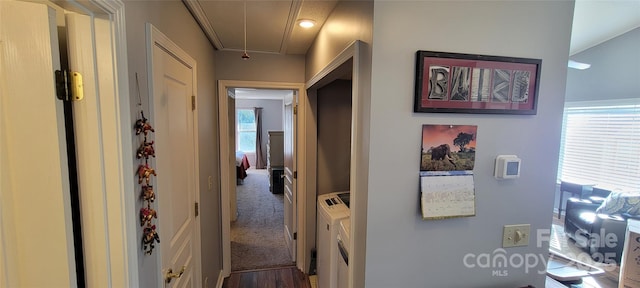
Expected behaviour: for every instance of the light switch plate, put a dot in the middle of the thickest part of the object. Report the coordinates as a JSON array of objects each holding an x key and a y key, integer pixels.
[{"x": 516, "y": 235}]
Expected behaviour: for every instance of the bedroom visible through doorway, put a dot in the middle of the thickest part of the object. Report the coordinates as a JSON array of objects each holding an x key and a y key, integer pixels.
[
  {"x": 257, "y": 226},
  {"x": 295, "y": 202}
]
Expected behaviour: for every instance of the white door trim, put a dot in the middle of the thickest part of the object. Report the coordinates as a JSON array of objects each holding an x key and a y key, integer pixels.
[
  {"x": 86, "y": 44},
  {"x": 119, "y": 202},
  {"x": 155, "y": 37},
  {"x": 121, "y": 242},
  {"x": 359, "y": 170},
  {"x": 303, "y": 255}
]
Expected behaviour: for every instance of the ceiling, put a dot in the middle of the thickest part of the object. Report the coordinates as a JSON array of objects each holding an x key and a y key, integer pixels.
[
  {"x": 597, "y": 21},
  {"x": 272, "y": 24}
]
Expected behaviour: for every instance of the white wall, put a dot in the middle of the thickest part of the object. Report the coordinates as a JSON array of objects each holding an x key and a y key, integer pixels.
[
  {"x": 272, "y": 120},
  {"x": 402, "y": 249}
]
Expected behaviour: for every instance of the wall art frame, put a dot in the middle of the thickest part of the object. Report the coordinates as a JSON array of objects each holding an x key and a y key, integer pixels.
[{"x": 467, "y": 83}]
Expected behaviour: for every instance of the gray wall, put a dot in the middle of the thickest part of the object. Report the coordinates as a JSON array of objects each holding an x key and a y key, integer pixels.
[
  {"x": 614, "y": 72},
  {"x": 261, "y": 67},
  {"x": 334, "y": 36},
  {"x": 272, "y": 119},
  {"x": 402, "y": 249},
  {"x": 175, "y": 21},
  {"x": 334, "y": 137}
]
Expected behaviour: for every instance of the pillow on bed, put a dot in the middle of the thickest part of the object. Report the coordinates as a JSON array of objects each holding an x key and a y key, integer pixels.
[{"x": 620, "y": 202}]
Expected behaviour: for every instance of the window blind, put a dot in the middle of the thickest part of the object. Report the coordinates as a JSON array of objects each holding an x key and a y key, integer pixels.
[{"x": 601, "y": 145}]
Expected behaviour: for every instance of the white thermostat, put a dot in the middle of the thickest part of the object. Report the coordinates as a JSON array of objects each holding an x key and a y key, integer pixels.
[{"x": 507, "y": 167}]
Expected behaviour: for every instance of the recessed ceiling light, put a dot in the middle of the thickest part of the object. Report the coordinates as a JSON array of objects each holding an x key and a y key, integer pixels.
[{"x": 306, "y": 23}]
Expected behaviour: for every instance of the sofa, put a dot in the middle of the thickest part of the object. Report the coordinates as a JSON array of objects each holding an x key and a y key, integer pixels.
[{"x": 597, "y": 223}]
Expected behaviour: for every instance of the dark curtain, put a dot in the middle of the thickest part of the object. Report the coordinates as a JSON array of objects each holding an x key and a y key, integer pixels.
[{"x": 260, "y": 159}]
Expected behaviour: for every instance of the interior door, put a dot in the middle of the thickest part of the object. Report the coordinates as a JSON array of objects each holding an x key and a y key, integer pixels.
[
  {"x": 231, "y": 113},
  {"x": 173, "y": 120},
  {"x": 36, "y": 242},
  {"x": 290, "y": 196}
]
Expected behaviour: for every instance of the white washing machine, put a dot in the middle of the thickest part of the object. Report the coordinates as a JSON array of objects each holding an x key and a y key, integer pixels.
[
  {"x": 343, "y": 248},
  {"x": 331, "y": 209}
]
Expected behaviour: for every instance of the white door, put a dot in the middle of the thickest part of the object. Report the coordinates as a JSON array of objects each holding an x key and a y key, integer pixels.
[
  {"x": 36, "y": 243},
  {"x": 176, "y": 181},
  {"x": 290, "y": 196},
  {"x": 231, "y": 113}
]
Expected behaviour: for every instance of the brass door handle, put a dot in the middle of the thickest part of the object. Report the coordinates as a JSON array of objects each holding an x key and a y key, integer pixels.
[{"x": 170, "y": 275}]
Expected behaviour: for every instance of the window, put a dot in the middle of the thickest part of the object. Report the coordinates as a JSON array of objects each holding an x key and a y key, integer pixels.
[
  {"x": 246, "y": 130},
  {"x": 601, "y": 144}
]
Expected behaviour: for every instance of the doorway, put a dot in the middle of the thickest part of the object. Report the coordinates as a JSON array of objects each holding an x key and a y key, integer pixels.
[
  {"x": 258, "y": 205},
  {"x": 351, "y": 61},
  {"x": 294, "y": 178}
]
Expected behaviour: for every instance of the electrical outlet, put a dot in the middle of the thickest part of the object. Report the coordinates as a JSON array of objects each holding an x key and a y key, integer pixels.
[
  {"x": 516, "y": 235},
  {"x": 210, "y": 183}
]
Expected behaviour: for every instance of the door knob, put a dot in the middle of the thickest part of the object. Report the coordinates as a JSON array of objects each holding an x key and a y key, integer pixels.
[{"x": 170, "y": 275}]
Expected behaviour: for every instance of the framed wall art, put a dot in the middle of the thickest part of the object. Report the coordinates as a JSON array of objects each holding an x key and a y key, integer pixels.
[{"x": 466, "y": 83}]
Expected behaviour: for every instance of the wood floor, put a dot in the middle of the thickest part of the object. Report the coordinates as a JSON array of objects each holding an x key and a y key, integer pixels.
[{"x": 285, "y": 277}]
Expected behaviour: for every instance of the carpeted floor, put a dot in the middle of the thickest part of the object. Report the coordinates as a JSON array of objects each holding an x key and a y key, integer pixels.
[{"x": 257, "y": 237}]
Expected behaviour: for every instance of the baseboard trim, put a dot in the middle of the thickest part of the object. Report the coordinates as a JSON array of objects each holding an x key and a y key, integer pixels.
[{"x": 220, "y": 280}]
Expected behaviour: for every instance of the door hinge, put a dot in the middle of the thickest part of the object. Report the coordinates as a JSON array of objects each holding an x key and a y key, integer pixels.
[
  {"x": 295, "y": 235},
  {"x": 197, "y": 209},
  {"x": 193, "y": 102},
  {"x": 69, "y": 87},
  {"x": 295, "y": 110},
  {"x": 63, "y": 87},
  {"x": 295, "y": 174}
]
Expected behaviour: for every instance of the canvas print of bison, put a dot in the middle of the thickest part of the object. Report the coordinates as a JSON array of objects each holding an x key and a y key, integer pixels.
[{"x": 448, "y": 147}]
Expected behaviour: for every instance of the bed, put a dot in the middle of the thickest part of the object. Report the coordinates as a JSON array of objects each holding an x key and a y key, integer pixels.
[{"x": 242, "y": 164}]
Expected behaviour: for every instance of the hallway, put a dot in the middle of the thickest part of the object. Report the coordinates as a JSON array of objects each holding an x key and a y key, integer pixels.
[
  {"x": 289, "y": 277},
  {"x": 257, "y": 236}
]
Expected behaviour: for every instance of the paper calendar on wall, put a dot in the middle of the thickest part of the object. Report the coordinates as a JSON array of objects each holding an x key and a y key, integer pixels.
[{"x": 446, "y": 173}]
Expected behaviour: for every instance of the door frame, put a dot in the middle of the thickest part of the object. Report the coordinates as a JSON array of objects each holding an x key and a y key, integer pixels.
[
  {"x": 121, "y": 268},
  {"x": 359, "y": 53},
  {"x": 119, "y": 233},
  {"x": 156, "y": 38},
  {"x": 303, "y": 256}
]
